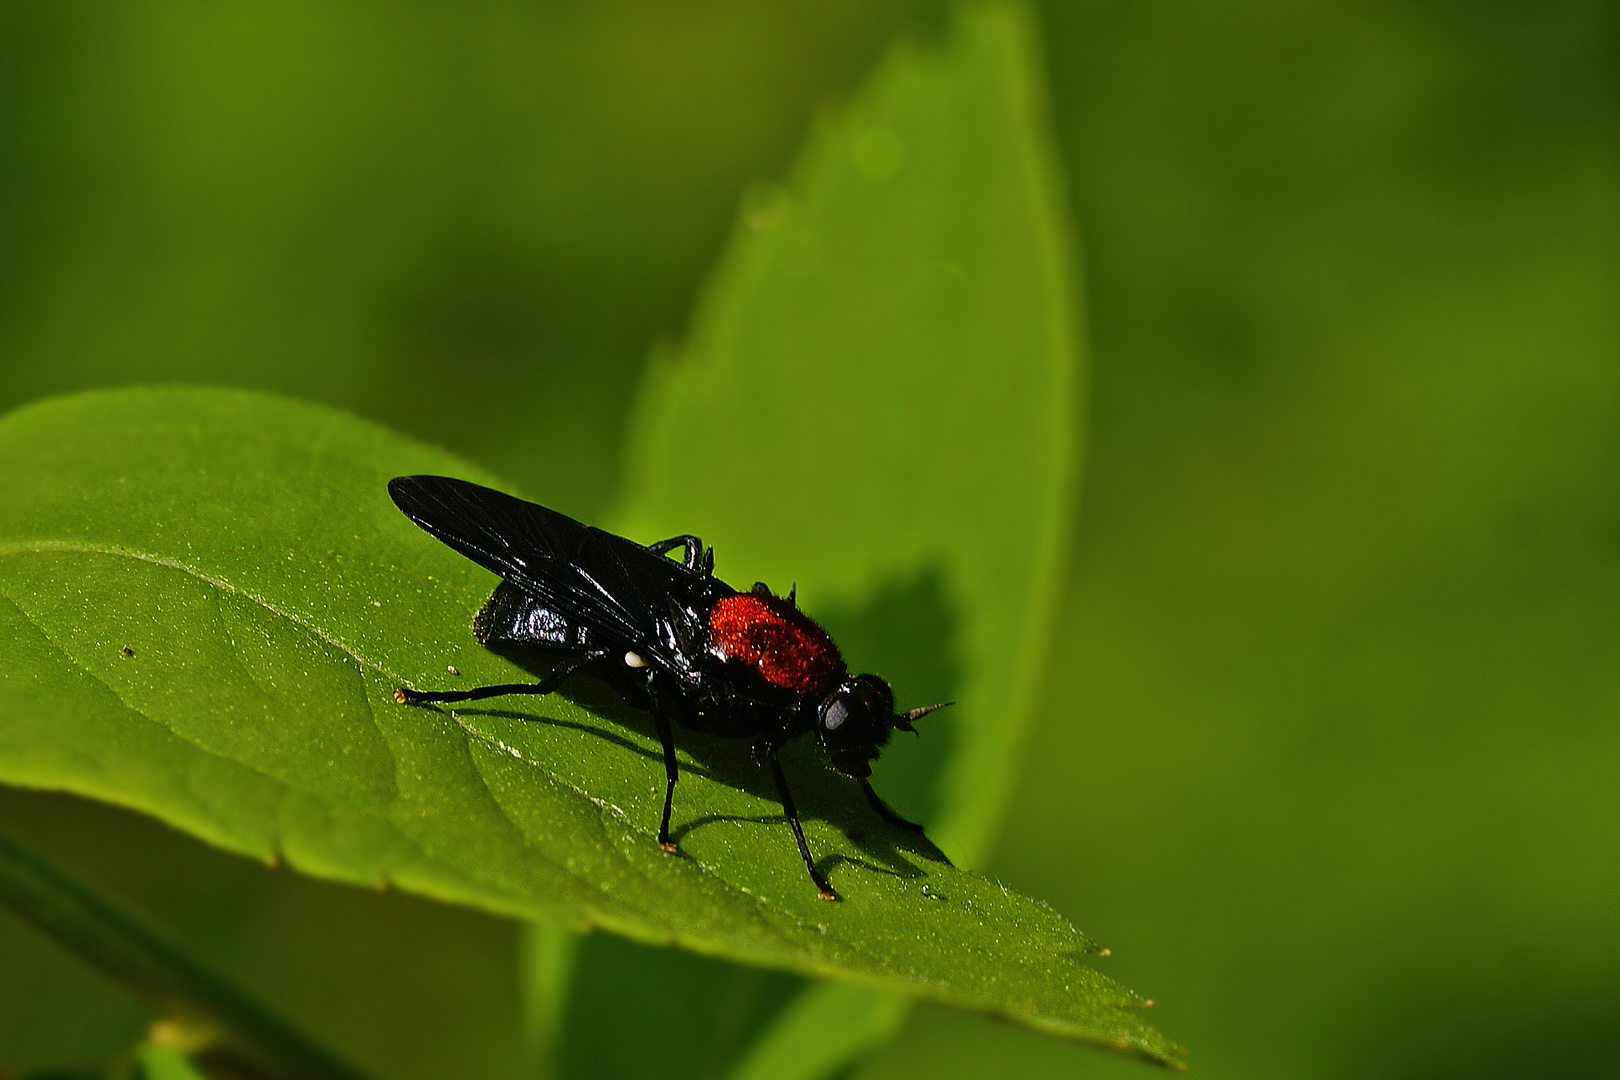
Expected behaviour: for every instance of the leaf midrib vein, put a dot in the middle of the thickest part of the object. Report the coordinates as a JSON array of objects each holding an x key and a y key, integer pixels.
[{"x": 221, "y": 583}]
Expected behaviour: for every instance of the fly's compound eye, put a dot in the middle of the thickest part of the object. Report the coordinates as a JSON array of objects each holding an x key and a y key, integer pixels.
[{"x": 854, "y": 722}]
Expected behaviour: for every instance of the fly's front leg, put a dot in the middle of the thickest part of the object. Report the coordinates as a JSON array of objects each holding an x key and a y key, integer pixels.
[
  {"x": 884, "y": 810},
  {"x": 550, "y": 683},
  {"x": 666, "y": 734},
  {"x": 822, "y": 886}
]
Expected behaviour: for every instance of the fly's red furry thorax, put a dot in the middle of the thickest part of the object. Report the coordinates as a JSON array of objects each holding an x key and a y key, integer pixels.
[{"x": 784, "y": 644}]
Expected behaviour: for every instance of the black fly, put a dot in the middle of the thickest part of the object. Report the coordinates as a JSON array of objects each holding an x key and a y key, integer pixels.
[{"x": 669, "y": 636}]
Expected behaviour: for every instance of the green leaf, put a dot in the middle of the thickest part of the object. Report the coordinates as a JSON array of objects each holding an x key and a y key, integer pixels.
[
  {"x": 880, "y": 402},
  {"x": 886, "y": 367},
  {"x": 206, "y": 602}
]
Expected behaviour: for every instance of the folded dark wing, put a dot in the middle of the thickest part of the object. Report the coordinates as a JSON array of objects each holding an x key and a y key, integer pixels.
[{"x": 604, "y": 581}]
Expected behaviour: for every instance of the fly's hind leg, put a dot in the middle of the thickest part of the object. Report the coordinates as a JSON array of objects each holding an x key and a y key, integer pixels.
[
  {"x": 672, "y": 772},
  {"x": 550, "y": 683}
]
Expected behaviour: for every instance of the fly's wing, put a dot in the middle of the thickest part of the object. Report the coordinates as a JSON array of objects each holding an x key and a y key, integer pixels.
[{"x": 603, "y": 581}]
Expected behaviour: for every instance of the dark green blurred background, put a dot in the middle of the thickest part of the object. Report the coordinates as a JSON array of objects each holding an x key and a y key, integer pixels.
[{"x": 1343, "y": 634}]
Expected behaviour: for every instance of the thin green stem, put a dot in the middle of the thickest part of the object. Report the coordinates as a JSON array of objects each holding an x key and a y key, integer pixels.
[{"x": 230, "y": 1025}]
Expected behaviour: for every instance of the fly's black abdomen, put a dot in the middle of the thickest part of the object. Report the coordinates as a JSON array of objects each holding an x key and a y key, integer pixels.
[{"x": 512, "y": 617}]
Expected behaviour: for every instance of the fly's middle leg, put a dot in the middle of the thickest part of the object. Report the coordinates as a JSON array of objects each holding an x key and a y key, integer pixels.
[{"x": 666, "y": 735}]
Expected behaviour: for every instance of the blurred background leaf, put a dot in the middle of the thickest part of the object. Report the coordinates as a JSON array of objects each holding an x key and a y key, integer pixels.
[
  {"x": 1340, "y": 644},
  {"x": 902, "y": 301}
]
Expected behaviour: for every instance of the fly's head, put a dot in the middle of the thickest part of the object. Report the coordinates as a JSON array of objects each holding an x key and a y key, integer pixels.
[{"x": 856, "y": 719}]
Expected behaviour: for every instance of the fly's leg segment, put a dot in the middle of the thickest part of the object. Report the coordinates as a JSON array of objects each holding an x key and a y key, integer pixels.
[
  {"x": 692, "y": 544},
  {"x": 822, "y": 887},
  {"x": 545, "y": 686},
  {"x": 884, "y": 810},
  {"x": 666, "y": 735},
  {"x": 697, "y": 557}
]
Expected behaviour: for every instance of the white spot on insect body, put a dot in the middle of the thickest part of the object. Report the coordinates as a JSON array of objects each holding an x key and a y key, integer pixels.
[{"x": 634, "y": 660}]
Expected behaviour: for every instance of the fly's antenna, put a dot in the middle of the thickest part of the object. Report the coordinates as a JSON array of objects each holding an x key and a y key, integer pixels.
[{"x": 903, "y": 720}]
